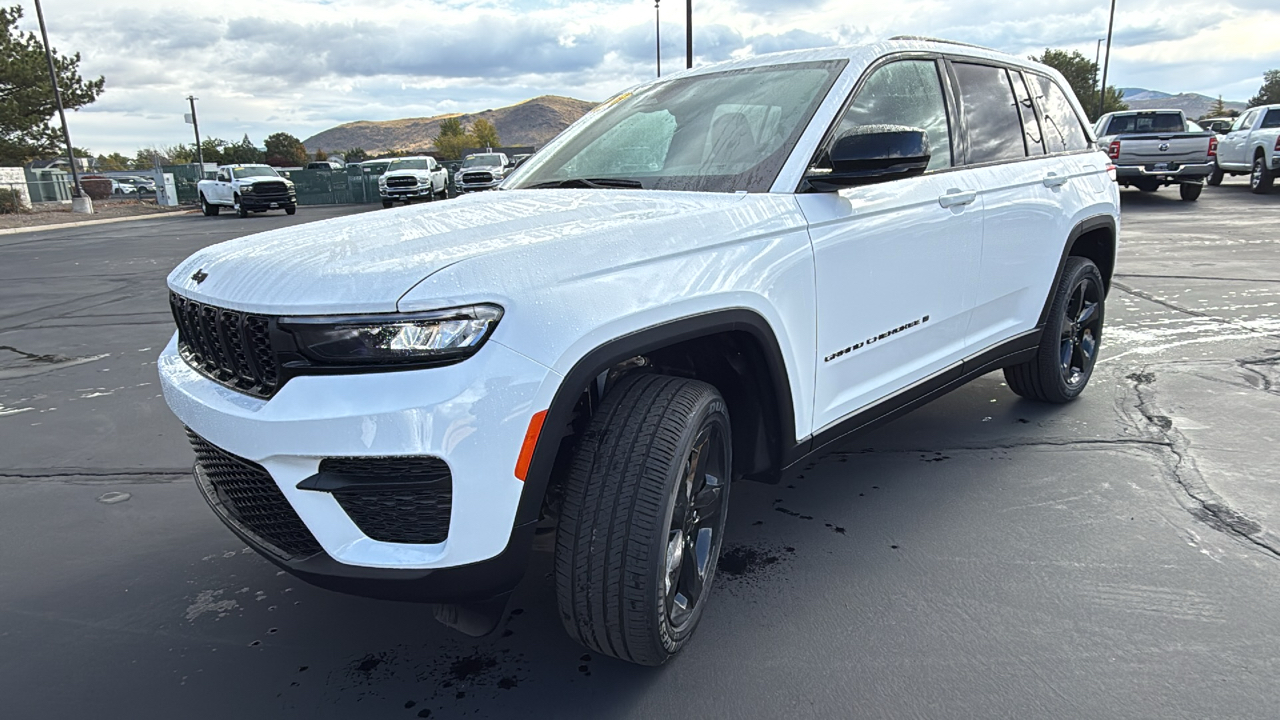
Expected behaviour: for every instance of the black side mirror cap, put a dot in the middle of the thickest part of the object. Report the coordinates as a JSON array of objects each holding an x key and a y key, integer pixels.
[{"x": 871, "y": 154}]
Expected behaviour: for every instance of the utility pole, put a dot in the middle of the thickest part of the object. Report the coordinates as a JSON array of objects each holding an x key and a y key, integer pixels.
[
  {"x": 57, "y": 97},
  {"x": 1097, "y": 64},
  {"x": 196, "y": 124},
  {"x": 657, "y": 26},
  {"x": 688, "y": 33},
  {"x": 1102, "y": 91}
]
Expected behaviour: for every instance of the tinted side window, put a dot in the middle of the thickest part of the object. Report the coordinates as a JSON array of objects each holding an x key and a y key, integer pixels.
[
  {"x": 1062, "y": 129},
  {"x": 1026, "y": 108},
  {"x": 1245, "y": 122},
  {"x": 1272, "y": 120},
  {"x": 907, "y": 93},
  {"x": 990, "y": 113}
]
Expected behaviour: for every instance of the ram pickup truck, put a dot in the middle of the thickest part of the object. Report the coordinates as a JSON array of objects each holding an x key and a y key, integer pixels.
[
  {"x": 1252, "y": 147},
  {"x": 1153, "y": 148},
  {"x": 483, "y": 171},
  {"x": 246, "y": 189},
  {"x": 412, "y": 178}
]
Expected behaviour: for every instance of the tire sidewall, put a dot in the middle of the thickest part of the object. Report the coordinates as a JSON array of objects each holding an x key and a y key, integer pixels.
[
  {"x": 1050, "y": 346},
  {"x": 672, "y": 638}
]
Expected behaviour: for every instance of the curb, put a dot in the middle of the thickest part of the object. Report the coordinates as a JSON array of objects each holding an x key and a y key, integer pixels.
[{"x": 86, "y": 223}]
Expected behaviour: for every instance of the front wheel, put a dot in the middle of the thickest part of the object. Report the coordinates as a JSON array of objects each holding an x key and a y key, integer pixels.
[
  {"x": 1215, "y": 177},
  {"x": 643, "y": 516},
  {"x": 291, "y": 210},
  {"x": 1069, "y": 346},
  {"x": 1261, "y": 179},
  {"x": 1190, "y": 191},
  {"x": 388, "y": 204}
]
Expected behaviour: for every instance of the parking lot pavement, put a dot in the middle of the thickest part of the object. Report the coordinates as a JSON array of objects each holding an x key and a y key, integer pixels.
[{"x": 981, "y": 557}]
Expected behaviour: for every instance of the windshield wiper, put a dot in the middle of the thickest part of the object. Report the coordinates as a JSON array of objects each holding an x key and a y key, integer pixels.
[{"x": 593, "y": 183}]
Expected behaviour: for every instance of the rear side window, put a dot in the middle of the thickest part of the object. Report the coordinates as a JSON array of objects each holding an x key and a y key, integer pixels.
[
  {"x": 1146, "y": 123},
  {"x": 990, "y": 114},
  {"x": 1062, "y": 129},
  {"x": 1272, "y": 120},
  {"x": 907, "y": 93},
  {"x": 1030, "y": 124}
]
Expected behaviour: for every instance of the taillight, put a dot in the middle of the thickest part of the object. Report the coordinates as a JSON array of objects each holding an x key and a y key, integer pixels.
[
  {"x": 1213, "y": 146},
  {"x": 1114, "y": 150},
  {"x": 1111, "y": 172},
  {"x": 1278, "y": 144}
]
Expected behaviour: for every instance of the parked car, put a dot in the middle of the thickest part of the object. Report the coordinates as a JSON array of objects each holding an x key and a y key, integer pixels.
[
  {"x": 141, "y": 185},
  {"x": 412, "y": 178},
  {"x": 483, "y": 171},
  {"x": 325, "y": 165},
  {"x": 1219, "y": 125},
  {"x": 1251, "y": 146},
  {"x": 830, "y": 239},
  {"x": 1153, "y": 148},
  {"x": 375, "y": 168},
  {"x": 120, "y": 187},
  {"x": 246, "y": 189}
]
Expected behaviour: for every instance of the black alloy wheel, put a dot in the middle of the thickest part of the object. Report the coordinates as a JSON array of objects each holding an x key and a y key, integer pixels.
[
  {"x": 1069, "y": 341},
  {"x": 1081, "y": 332},
  {"x": 695, "y": 527}
]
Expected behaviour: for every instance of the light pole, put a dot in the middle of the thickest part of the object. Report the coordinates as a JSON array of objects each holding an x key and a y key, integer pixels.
[
  {"x": 57, "y": 97},
  {"x": 657, "y": 27},
  {"x": 196, "y": 124},
  {"x": 1102, "y": 91},
  {"x": 688, "y": 33},
  {"x": 1097, "y": 62}
]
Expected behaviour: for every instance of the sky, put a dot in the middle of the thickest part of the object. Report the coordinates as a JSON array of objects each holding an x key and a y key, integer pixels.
[{"x": 301, "y": 66}]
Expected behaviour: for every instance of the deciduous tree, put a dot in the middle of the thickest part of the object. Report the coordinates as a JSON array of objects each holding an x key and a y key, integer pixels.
[
  {"x": 486, "y": 134},
  {"x": 1081, "y": 73},
  {"x": 285, "y": 150}
]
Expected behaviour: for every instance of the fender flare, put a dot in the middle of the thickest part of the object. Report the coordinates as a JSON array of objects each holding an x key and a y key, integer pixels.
[
  {"x": 1089, "y": 224},
  {"x": 590, "y": 365}
]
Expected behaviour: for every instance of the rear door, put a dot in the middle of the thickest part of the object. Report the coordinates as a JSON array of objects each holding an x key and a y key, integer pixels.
[
  {"x": 895, "y": 262},
  {"x": 1021, "y": 135}
]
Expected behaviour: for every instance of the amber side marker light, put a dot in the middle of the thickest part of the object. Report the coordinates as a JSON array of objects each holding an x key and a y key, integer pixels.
[{"x": 530, "y": 441}]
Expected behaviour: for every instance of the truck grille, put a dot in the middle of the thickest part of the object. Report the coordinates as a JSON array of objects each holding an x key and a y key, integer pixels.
[
  {"x": 477, "y": 177},
  {"x": 417, "y": 511},
  {"x": 249, "y": 496},
  {"x": 402, "y": 181},
  {"x": 228, "y": 346},
  {"x": 271, "y": 190}
]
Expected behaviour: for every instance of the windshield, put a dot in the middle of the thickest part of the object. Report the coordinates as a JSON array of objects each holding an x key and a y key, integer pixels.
[
  {"x": 721, "y": 132},
  {"x": 1146, "y": 123},
  {"x": 482, "y": 161},
  {"x": 413, "y": 164},
  {"x": 247, "y": 172}
]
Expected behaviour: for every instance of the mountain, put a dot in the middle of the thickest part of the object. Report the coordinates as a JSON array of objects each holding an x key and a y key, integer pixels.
[
  {"x": 532, "y": 122},
  {"x": 1193, "y": 104}
]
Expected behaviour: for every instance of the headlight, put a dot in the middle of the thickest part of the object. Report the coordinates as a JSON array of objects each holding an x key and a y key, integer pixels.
[
  {"x": 246, "y": 189},
  {"x": 436, "y": 337}
]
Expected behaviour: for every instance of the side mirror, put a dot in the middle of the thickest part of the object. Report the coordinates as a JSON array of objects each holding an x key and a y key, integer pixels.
[{"x": 872, "y": 154}]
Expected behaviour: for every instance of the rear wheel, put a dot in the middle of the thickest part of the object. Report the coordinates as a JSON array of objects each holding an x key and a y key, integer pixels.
[
  {"x": 1190, "y": 191},
  {"x": 206, "y": 207},
  {"x": 1261, "y": 179},
  {"x": 643, "y": 518},
  {"x": 1069, "y": 346}
]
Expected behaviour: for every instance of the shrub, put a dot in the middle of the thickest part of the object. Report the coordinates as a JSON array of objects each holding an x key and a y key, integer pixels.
[
  {"x": 10, "y": 202},
  {"x": 96, "y": 188}
]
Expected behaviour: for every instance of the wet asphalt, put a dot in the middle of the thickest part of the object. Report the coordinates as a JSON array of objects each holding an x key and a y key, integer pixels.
[{"x": 982, "y": 557}]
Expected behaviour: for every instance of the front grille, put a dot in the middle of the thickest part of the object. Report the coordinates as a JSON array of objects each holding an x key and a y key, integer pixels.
[
  {"x": 228, "y": 346},
  {"x": 405, "y": 181},
  {"x": 252, "y": 499},
  {"x": 477, "y": 177},
  {"x": 271, "y": 190},
  {"x": 410, "y": 503}
]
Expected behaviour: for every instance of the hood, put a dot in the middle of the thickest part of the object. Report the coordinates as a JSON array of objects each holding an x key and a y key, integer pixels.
[
  {"x": 364, "y": 263},
  {"x": 255, "y": 180},
  {"x": 406, "y": 173}
]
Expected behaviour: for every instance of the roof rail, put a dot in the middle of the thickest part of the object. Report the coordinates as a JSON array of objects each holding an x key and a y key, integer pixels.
[{"x": 940, "y": 40}]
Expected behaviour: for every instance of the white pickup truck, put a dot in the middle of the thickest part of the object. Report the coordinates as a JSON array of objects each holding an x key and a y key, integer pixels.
[
  {"x": 1153, "y": 148},
  {"x": 1252, "y": 147},
  {"x": 412, "y": 178},
  {"x": 246, "y": 189}
]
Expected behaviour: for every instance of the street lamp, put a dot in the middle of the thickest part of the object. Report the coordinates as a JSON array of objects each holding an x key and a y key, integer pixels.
[
  {"x": 657, "y": 27},
  {"x": 688, "y": 33},
  {"x": 1097, "y": 63},
  {"x": 62, "y": 116},
  {"x": 1102, "y": 91}
]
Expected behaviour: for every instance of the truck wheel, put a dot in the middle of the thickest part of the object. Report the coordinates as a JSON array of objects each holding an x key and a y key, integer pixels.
[
  {"x": 1069, "y": 346},
  {"x": 643, "y": 518},
  {"x": 388, "y": 204},
  {"x": 1215, "y": 177},
  {"x": 1190, "y": 191},
  {"x": 292, "y": 210},
  {"x": 208, "y": 209},
  {"x": 1261, "y": 178},
  {"x": 241, "y": 211}
]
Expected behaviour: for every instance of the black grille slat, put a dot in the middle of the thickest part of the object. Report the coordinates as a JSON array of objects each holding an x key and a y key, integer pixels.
[
  {"x": 477, "y": 177},
  {"x": 230, "y": 347},
  {"x": 410, "y": 499},
  {"x": 401, "y": 182},
  {"x": 252, "y": 499}
]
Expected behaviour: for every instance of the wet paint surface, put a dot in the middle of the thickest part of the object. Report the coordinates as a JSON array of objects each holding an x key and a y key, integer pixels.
[{"x": 980, "y": 557}]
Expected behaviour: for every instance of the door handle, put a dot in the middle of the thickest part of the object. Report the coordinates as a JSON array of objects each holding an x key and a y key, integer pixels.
[
  {"x": 1055, "y": 180},
  {"x": 956, "y": 196}
]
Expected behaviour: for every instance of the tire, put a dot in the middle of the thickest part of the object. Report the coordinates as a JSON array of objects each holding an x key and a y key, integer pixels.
[
  {"x": 1215, "y": 177},
  {"x": 1046, "y": 377},
  {"x": 207, "y": 208},
  {"x": 241, "y": 211},
  {"x": 1147, "y": 185},
  {"x": 1190, "y": 191},
  {"x": 1261, "y": 179},
  {"x": 626, "y": 547},
  {"x": 291, "y": 210},
  {"x": 388, "y": 204}
]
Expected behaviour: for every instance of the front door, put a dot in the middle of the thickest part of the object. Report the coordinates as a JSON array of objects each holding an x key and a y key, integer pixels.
[
  {"x": 895, "y": 262},
  {"x": 1232, "y": 146}
]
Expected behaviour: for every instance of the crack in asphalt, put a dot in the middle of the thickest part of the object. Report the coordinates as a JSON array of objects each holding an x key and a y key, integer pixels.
[
  {"x": 1196, "y": 277},
  {"x": 1010, "y": 446},
  {"x": 1248, "y": 365},
  {"x": 1189, "y": 311},
  {"x": 1211, "y": 508},
  {"x": 86, "y": 476}
]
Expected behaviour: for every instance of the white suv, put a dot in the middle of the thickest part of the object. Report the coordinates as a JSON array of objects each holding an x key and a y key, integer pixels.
[{"x": 703, "y": 280}]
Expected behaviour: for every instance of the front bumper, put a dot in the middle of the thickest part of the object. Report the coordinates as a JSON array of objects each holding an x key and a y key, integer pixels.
[
  {"x": 268, "y": 202},
  {"x": 405, "y": 192},
  {"x": 473, "y": 415},
  {"x": 477, "y": 187},
  {"x": 1172, "y": 172}
]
